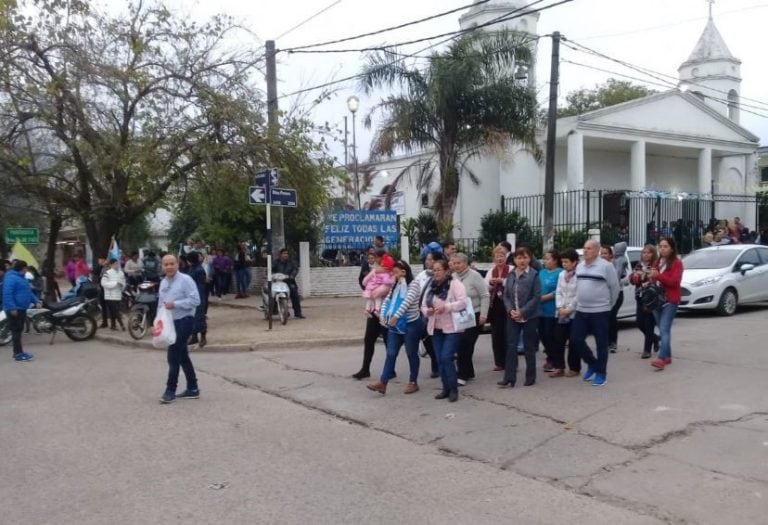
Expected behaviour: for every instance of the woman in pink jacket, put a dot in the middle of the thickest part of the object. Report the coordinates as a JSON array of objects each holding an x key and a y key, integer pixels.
[{"x": 444, "y": 296}]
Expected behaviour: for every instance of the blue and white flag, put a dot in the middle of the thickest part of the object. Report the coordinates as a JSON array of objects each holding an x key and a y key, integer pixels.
[{"x": 114, "y": 252}]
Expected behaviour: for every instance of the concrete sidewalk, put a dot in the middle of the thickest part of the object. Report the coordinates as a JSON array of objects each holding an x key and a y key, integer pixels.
[{"x": 239, "y": 325}]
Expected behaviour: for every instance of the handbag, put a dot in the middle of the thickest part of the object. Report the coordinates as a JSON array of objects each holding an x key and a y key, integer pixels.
[
  {"x": 464, "y": 319},
  {"x": 163, "y": 330},
  {"x": 653, "y": 297}
]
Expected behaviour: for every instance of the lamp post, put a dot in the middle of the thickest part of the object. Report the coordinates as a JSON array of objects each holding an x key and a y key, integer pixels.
[{"x": 353, "y": 104}]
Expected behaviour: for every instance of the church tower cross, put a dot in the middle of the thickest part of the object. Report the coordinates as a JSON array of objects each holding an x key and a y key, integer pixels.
[{"x": 711, "y": 3}]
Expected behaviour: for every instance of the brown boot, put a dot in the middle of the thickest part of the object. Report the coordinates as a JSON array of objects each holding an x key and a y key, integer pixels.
[
  {"x": 203, "y": 340},
  {"x": 378, "y": 386},
  {"x": 558, "y": 372},
  {"x": 411, "y": 388}
]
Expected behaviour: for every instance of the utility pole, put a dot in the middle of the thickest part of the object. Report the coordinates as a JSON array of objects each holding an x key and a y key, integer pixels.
[
  {"x": 346, "y": 160},
  {"x": 549, "y": 174},
  {"x": 274, "y": 127}
]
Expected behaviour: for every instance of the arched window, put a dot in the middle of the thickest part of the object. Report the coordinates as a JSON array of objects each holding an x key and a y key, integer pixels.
[{"x": 733, "y": 105}]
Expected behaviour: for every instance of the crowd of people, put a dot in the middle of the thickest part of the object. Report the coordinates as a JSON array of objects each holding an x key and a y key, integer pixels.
[{"x": 555, "y": 303}]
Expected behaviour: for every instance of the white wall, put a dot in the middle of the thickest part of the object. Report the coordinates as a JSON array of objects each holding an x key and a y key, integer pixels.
[
  {"x": 606, "y": 170},
  {"x": 672, "y": 174}
]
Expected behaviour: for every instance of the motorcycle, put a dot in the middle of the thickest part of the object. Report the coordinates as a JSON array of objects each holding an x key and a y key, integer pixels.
[
  {"x": 69, "y": 316},
  {"x": 144, "y": 310},
  {"x": 280, "y": 294}
]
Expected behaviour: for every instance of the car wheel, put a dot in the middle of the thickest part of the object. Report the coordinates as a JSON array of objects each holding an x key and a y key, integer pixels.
[{"x": 728, "y": 302}]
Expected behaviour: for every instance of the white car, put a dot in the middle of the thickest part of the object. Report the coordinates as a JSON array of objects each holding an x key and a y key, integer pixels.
[
  {"x": 722, "y": 277},
  {"x": 628, "y": 307}
]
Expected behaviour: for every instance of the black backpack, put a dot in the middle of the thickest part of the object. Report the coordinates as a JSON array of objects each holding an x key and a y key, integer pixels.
[{"x": 653, "y": 297}]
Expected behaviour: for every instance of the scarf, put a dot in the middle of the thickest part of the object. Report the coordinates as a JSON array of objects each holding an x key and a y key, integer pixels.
[{"x": 438, "y": 289}]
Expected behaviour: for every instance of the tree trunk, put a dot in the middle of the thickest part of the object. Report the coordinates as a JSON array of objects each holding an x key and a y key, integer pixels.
[
  {"x": 100, "y": 230},
  {"x": 49, "y": 263}
]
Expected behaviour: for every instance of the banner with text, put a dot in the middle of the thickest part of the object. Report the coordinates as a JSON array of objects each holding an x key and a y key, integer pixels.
[{"x": 356, "y": 229}]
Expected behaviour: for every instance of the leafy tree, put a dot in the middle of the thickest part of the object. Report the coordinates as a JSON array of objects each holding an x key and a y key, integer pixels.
[
  {"x": 495, "y": 225},
  {"x": 465, "y": 102},
  {"x": 426, "y": 228},
  {"x": 601, "y": 96},
  {"x": 109, "y": 116}
]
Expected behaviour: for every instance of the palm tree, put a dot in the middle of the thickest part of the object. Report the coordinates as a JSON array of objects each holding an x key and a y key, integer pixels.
[{"x": 464, "y": 103}]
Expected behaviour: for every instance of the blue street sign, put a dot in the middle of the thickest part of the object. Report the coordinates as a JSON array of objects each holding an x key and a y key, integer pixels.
[
  {"x": 284, "y": 197},
  {"x": 257, "y": 195},
  {"x": 267, "y": 178}
]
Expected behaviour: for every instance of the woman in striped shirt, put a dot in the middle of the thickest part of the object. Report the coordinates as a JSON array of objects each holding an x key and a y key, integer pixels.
[{"x": 400, "y": 315}]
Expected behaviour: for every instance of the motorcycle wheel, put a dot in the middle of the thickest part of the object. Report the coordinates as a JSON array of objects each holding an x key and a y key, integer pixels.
[
  {"x": 282, "y": 309},
  {"x": 138, "y": 325},
  {"x": 80, "y": 328},
  {"x": 5, "y": 333}
]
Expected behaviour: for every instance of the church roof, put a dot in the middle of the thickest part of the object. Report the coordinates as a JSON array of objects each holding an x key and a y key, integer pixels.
[{"x": 710, "y": 46}]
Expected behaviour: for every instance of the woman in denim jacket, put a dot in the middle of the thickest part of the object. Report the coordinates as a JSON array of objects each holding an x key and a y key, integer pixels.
[{"x": 522, "y": 299}]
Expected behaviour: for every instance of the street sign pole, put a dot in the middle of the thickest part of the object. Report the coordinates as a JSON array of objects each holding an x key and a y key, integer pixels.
[{"x": 268, "y": 192}]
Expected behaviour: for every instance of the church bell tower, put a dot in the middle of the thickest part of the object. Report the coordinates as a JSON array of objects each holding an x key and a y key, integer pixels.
[{"x": 713, "y": 73}]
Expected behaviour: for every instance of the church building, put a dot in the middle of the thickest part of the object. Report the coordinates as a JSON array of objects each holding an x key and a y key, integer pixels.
[{"x": 675, "y": 155}]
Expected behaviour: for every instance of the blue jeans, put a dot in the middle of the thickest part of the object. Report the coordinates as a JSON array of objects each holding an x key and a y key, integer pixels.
[
  {"x": 664, "y": 317},
  {"x": 243, "y": 277},
  {"x": 395, "y": 340},
  {"x": 597, "y": 324},
  {"x": 446, "y": 346},
  {"x": 178, "y": 355}
]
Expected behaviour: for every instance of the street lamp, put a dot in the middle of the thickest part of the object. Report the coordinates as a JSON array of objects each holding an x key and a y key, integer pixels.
[{"x": 353, "y": 104}]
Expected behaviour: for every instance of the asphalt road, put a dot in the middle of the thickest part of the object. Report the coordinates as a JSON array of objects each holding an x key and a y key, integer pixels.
[{"x": 287, "y": 437}]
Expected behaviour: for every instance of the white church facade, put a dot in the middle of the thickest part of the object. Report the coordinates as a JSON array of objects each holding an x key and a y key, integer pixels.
[{"x": 679, "y": 154}]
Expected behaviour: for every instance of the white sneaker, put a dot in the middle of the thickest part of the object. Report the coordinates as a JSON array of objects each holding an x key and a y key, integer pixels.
[{"x": 462, "y": 382}]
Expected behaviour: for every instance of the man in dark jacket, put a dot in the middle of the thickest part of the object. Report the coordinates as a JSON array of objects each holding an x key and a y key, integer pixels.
[
  {"x": 17, "y": 297},
  {"x": 285, "y": 266}
]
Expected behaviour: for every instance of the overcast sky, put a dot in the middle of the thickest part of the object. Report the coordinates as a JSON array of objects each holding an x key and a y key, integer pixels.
[{"x": 656, "y": 34}]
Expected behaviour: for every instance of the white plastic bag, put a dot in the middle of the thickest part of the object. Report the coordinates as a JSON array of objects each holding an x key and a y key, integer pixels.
[{"x": 163, "y": 331}]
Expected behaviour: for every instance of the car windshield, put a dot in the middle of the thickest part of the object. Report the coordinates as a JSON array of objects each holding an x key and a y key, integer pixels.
[{"x": 709, "y": 259}]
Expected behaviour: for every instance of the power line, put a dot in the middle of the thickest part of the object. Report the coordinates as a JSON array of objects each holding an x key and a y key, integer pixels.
[
  {"x": 309, "y": 19},
  {"x": 499, "y": 19},
  {"x": 673, "y": 24},
  {"x": 514, "y": 14},
  {"x": 387, "y": 29},
  {"x": 656, "y": 74}
]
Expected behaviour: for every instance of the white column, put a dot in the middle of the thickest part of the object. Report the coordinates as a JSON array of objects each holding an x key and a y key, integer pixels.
[
  {"x": 405, "y": 248},
  {"x": 705, "y": 171},
  {"x": 637, "y": 166},
  {"x": 575, "y": 169},
  {"x": 304, "y": 281}
]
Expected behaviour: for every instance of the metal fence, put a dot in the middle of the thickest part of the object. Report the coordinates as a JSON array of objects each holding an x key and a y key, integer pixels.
[{"x": 637, "y": 217}]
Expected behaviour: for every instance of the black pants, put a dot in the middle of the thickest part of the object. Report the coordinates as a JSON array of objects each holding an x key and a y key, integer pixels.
[
  {"x": 547, "y": 328},
  {"x": 499, "y": 336},
  {"x": 613, "y": 326},
  {"x": 293, "y": 289},
  {"x": 647, "y": 324},
  {"x": 113, "y": 311},
  {"x": 563, "y": 336},
  {"x": 16, "y": 326},
  {"x": 103, "y": 305},
  {"x": 527, "y": 331},
  {"x": 178, "y": 355},
  {"x": 373, "y": 330},
  {"x": 465, "y": 367}
]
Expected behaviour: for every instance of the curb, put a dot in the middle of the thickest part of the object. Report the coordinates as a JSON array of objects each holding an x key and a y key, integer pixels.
[{"x": 307, "y": 344}]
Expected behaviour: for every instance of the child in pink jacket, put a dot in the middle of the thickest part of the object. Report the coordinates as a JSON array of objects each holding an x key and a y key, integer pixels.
[{"x": 377, "y": 284}]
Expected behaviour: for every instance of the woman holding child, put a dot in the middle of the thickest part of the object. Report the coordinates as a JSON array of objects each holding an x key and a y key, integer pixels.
[{"x": 400, "y": 316}]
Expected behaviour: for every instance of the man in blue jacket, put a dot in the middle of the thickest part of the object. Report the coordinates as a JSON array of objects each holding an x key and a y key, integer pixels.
[{"x": 17, "y": 297}]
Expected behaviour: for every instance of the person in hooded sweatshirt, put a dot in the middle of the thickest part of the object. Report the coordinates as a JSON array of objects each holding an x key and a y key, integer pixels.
[{"x": 616, "y": 255}]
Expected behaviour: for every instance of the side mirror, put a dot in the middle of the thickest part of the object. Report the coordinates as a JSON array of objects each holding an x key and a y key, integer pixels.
[{"x": 746, "y": 267}]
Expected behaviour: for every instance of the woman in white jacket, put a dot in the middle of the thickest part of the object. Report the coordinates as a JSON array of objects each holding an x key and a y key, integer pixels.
[
  {"x": 113, "y": 282},
  {"x": 565, "y": 303}
]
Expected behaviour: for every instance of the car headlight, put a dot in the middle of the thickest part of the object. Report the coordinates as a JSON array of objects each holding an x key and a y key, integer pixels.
[{"x": 708, "y": 280}]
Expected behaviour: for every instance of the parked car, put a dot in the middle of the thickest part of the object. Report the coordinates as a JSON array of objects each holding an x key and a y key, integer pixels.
[
  {"x": 722, "y": 277},
  {"x": 628, "y": 307}
]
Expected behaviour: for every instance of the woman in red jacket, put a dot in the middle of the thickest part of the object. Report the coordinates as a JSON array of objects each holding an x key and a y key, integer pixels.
[{"x": 668, "y": 272}]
